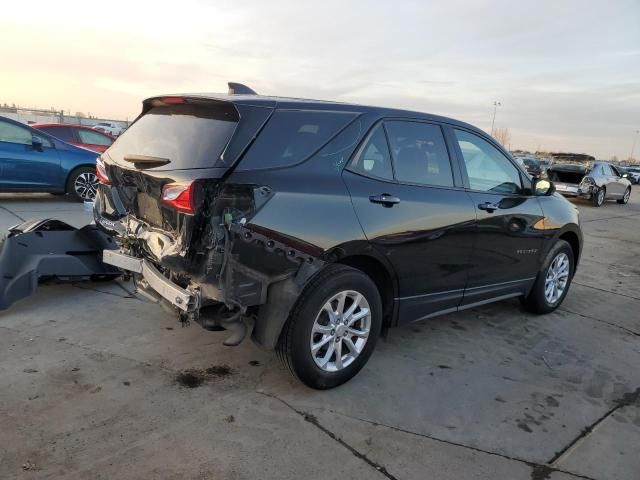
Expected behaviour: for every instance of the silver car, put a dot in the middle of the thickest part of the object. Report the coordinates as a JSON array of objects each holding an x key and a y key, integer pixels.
[{"x": 597, "y": 182}]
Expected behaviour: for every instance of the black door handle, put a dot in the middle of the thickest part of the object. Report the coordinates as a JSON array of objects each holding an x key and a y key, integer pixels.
[
  {"x": 384, "y": 199},
  {"x": 488, "y": 206}
]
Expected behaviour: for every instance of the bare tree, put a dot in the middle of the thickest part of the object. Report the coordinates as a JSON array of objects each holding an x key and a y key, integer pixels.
[
  {"x": 503, "y": 135},
  {"x": 614, "y": 158}
]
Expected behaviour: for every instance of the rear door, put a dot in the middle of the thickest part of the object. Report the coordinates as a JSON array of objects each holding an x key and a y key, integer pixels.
[
  {"x": 508, "y": 232},
  {"x": 24, "y": 167},
  {"x": 617, "y": 184},
  {"x": 413, "y": 209}
]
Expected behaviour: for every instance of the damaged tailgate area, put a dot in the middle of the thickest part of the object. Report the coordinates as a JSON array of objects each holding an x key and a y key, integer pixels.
[{"x": 215, "y": 267}]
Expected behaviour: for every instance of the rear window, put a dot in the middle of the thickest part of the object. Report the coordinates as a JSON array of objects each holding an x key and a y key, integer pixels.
[
  {"x": 190, "y": 136},
  {"x": 291, "y": 136}
]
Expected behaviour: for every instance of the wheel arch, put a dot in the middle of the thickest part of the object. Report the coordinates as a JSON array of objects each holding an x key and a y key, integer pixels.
[
  {"x": 381, "y": 275},
  {"x": 283, "y": 295}
]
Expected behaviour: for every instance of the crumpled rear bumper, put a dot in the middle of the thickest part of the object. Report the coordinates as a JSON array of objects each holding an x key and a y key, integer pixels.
[{"x": 48, "y": 248}]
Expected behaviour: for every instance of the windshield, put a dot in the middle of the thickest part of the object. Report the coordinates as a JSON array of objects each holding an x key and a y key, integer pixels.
[{"x": 190, "y": 136}]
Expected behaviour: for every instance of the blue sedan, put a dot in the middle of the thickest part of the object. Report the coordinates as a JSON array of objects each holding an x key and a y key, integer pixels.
[{"x": 32, "y": 161}]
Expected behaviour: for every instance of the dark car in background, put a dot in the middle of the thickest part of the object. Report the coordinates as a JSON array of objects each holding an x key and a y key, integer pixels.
[
  {"x": 78, "y": 135},
  {"x": 34, "y": 161},
  {"x": 315, "y": 225},
  {"x": 531, "y": 165}
]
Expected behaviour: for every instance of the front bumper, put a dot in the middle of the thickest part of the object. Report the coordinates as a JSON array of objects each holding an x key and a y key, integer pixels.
[{"x": 184, "y": 300}]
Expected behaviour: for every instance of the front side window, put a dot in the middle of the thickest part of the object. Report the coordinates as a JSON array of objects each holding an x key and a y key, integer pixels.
[
  {"x": 487, "y": 168},
  {"x": 12, "y": 133},
  {"x": 62, "y": 133},
  {"x": 420, "y": 153},
  {"x": 93, "y": 138},
  {"x": 373, "y": 158}
]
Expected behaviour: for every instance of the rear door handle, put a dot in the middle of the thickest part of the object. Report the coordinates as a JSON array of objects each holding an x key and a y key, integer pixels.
[
  {"x": 488, "y": 206},
  {"x": 384, "y": 199}
]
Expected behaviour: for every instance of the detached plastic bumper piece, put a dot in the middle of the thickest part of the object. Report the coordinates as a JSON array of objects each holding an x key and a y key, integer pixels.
[{"x": 47, "y": 249}]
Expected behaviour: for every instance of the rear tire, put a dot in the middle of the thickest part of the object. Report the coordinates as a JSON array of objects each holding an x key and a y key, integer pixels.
[
  {"x": 553, "y": 280},
  {"x": 597, "y": 199},
  {"x": 624, "y": 200},
  {"x": 329, "y": 319},
  {"x": 82, "y": 184}
]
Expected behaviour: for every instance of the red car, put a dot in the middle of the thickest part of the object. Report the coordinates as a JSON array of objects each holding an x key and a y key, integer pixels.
[{"x": 78, "y": 135}]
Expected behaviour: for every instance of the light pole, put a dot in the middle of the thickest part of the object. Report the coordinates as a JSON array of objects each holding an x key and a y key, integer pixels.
[
  {"x": 633, "y": 145},
  {"x": 496, "y": 104}
]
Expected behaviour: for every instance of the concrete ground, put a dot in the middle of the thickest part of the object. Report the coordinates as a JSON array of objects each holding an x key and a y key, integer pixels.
[{"x": 95, "y": 384}]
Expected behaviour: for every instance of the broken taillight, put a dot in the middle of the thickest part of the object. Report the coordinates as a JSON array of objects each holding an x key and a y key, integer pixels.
[
  {"x": 179, "y": 196},
  {"x": 101, "y": 172}
]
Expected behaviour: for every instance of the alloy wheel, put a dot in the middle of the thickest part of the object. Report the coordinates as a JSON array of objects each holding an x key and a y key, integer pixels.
[
  {"x": 340, "y": 331},
  {"x": 557, "y": 278},
  {"x": 627, "y": 194},
  {"x": 600, "y": 197},
  {"x": 86, "y": 185}
]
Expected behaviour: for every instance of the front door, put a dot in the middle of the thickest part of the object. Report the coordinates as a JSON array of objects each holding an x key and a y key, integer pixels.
[
  {"x": 23, "y": 166},
  {"x": 413, "y": 212},
  {"x": 509, "y": 228}
]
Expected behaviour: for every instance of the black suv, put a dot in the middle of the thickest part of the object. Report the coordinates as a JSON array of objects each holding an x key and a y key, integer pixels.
[{"x": 314, "y": 225}]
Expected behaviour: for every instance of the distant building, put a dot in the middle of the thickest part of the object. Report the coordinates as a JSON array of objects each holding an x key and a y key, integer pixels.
[{"x": 31, "y": 116}]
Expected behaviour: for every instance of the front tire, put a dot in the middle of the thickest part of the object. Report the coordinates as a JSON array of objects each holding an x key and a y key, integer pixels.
[
  {"x": 625, "y": 199},
  {"x": 82, "y": 184},
  {"x": 333, "y": 328},
  {"x": 553, "y": 280},
  {"x": 597, "y": 199}
]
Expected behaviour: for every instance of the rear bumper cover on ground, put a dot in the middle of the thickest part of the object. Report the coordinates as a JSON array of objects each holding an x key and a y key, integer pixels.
[{"x": 39, "y": 249}]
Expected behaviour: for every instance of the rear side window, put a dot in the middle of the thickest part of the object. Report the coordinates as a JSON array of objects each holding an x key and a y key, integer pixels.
[
  {"x": 373, "y": 158},
  {"x": 291, "y": 136},
  {"x": 190, "y": 136},
  {"x": 63, "y": 133},
  {"x": 420, "y": 154},
  {"x": 93, "y": 138}
]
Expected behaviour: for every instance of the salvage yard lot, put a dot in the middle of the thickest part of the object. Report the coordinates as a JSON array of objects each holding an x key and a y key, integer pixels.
[{"x": 97, "y": 384}]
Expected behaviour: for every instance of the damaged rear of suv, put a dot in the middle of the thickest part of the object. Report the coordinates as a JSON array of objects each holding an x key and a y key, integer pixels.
[
  {"x": 313, "y": 225},
  {"x": 224, "y": 242}
]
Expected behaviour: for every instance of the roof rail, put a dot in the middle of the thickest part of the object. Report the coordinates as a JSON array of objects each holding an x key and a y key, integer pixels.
[{"x": 240, "y": 89}]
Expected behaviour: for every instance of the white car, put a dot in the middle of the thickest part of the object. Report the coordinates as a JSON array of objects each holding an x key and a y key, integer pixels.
[
  {"x": 111, "y": 128},
  {"x": 634, "y": 174}
]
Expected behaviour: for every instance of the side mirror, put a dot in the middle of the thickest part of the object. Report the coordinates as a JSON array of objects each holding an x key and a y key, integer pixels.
[
  {"x": 36, "y": 142},
  {"x": 542, "y": 186}
]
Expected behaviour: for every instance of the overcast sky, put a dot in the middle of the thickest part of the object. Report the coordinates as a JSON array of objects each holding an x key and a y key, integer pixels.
[{"x": 566, "y": 72}]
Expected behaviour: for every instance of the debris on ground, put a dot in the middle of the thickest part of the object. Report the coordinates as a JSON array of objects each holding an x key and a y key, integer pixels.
[
  {"x": 29, "y": 465},
  {"x": 30, "y": 370},
  {"x": 230, "y": 419}
]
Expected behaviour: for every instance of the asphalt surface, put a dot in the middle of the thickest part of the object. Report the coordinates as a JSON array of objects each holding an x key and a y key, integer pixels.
[{"x": 97, "y": 384}]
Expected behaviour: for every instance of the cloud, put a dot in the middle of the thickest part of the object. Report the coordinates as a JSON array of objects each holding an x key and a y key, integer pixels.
[{"x": 564, "y": 73}]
